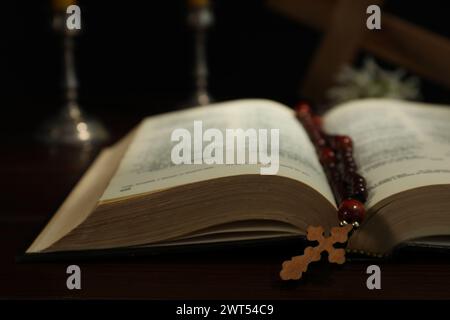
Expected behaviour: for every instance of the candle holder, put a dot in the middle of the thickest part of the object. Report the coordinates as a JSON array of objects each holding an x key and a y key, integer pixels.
[
  {"x": 72, "y": 125},
  {"x": 200, "y": 19}
]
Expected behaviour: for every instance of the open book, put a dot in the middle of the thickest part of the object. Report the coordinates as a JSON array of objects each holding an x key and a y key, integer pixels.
[{"x": 134, "y": 196}]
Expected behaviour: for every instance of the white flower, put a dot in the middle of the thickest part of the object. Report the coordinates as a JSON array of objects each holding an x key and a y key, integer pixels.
[{"x": 373, "y": 81}]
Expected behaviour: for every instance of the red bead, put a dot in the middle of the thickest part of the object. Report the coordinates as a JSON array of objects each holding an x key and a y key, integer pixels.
[
  {"x": 317, "y": 121},
  {"x": 303, "y": 109},
  {"x": 352, "y": 178},
  {"x": 357, "y": 179},
  {"x": 356, "y": 187},
  {"x": 321, "y": 142},
  {"x": 350, "y": 170},
  {"x": 343, "y": 143},
  {"x": 317, "y": 137},
  {"x": 351, "y": 211},
  {"x": 359, "y": 192},
  {"x": 350, "y": 166},
  {"x": 347, "y": 155},
  {"x": 327, "y": 156}
]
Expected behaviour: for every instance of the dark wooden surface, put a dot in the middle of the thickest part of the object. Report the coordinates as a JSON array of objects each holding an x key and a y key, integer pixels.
[{"x": 36, "y": 179}]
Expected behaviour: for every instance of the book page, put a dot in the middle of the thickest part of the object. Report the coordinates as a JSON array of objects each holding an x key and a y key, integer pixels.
[
  {"x": 398, "y": 145},
  {"x": 148, "y": 167}
]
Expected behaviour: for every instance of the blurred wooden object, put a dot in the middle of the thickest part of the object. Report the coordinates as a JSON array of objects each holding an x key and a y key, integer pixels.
[{"x": 344, "y": 25}]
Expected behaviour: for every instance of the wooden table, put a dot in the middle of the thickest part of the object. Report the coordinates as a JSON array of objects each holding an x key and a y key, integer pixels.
[{"x": 35, "y": 181}]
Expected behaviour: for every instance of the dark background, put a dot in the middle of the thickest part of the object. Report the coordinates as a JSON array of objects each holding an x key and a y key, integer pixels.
[
  {"x": 136, "y": 56},
  {"x": 135, "y": 59}
]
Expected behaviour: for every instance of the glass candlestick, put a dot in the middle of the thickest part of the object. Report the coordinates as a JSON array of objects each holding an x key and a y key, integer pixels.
[
  {"x": 200, "y": 19},
  {"x": 72, "y": 125}
]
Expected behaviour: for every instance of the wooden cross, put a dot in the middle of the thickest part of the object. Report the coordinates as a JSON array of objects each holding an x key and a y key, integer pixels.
[
  {"x": 293, "y": 269},
  {"x": 344, "y": 25}
]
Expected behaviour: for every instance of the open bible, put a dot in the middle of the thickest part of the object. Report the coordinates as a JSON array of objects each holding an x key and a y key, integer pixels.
[{"x": 134, "y": 196}]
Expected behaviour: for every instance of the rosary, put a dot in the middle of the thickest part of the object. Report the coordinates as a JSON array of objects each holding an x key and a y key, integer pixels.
[{"x": 335, "y": 154}]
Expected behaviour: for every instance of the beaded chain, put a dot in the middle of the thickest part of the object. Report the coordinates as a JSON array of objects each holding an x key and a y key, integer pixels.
[{"x": 335, "y": 153}]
